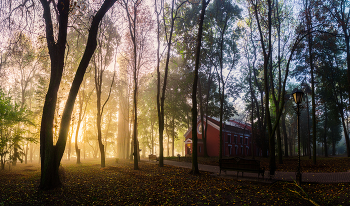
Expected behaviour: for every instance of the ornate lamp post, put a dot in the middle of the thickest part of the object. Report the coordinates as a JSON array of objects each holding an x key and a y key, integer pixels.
[{"x": 298, "y": 96}]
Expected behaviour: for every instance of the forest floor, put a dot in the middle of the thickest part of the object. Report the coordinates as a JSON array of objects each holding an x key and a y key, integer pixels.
[
  {"x": 119, "y": 184},
  {"x": 323, "y": 164}
]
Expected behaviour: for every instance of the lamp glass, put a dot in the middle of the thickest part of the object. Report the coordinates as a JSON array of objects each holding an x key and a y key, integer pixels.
[{"x": 298, "y": 96}]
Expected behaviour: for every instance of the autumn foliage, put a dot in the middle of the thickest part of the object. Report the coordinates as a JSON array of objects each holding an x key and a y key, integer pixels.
[{"x": 120, "y": 184}]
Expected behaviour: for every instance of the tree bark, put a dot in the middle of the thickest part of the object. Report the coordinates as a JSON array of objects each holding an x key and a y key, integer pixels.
[
  {"x": 159, "y": 108},
  {"x": 161, "y": 97},
  {"x": 202, "y": 118},
  {"x": 325, "y": 132},
  {"x": 123, "y": 115},
  {"x": 77, "y": 150},
  {"x": 267, "y": 53},
  {"x": 347, "y": 142},
  {"x": 308, "y": 126},
  {"x": 51, "y": 155},
  {"x": 284, "y": 130},
  {"x": 195, "y": 170},
  {"x": 252, "y": 123},
  {"x": 173, "y": 137},
  {"x": 80, "y": 119},
  {"x": 206, "y": 113},
  {"x": 309, "y": 26}
]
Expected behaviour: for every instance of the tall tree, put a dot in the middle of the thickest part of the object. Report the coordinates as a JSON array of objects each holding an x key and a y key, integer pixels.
[
  {"x": 224, "y": 14},
  {"x": 107, "y": 42},
  {"x": 339, "y": 11},
  {"x": 123, "y": 109},
  {"x": 333, "y": 76},
  {"x": 139, "y": 25},
  {"x": 51, "y": 154},
  {"x": 257, "y": 84},
  {"x": 10, "y": 135},
  {"x": 308, "y": 12},
  {"x": 24, "y": 61},
  {"x": 83, "y": 100},
  {"x": 195, "y": 170},
  {"x": 170, "y": 14},
  {"x": 266, "y": 46}
]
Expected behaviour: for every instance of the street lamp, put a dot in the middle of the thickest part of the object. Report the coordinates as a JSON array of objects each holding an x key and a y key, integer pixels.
[{"x": 298, "y": 96}]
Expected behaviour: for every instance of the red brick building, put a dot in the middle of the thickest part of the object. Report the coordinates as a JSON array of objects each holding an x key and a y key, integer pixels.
[{"x": 237, "y": 139}]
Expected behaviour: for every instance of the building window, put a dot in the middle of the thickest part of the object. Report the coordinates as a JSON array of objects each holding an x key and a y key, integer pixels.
[
  {"x": 246, "y": 140},
  {"x": 241, "y": 150},
  {"x": 235, "y": 139},
  {"x": 247, "y": 150},
  {"x": 236, "y": 150},
  {"x": 241, "y": 139},
  {"x": 229, "y": 138},
  {"x": 230, "y": 150}
]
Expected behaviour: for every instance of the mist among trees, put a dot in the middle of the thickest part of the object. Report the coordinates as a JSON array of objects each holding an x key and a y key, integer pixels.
[{"x": 125, "y": 79}]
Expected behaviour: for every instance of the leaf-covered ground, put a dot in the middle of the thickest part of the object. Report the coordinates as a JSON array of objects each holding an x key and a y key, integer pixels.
[
  {"x": 119, "y": 184},
  {"x": 323, "y": 164}
]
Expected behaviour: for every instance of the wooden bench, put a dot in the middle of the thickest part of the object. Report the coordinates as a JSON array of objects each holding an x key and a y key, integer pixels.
[
  {"x": 152, "y": 157},
  {"x": 241, "y": 165}
]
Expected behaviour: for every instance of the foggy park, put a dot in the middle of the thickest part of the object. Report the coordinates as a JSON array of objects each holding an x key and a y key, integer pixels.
[{"x": 174, "y": 102}]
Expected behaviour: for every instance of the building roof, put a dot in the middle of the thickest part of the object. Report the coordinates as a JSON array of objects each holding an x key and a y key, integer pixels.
[
  {"x": 215, "y": 122},
  {"x": 242, "y": 125}
]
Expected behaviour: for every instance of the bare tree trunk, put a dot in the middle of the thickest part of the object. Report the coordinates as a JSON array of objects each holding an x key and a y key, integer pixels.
[
  {"x": 136, "y": 160},
  {"x": 167, "y": 134},
  {"x": 290, "y": 142},
  {"x": 252, "y": 123},
  {"x": 161, "y": 97},
  {"x": 195, "y": 169},
  {"x": 173, "y": 137},
  {"x": 31, "y": 148},
  {"x": 309, "y": 26},
  {"x": 51, "y": 155},
  {"x": 308, "y": 126},
  {"x": 77, "y": 150},
  {"x": 26, "y": 153},
  {"x": 202, "y": 118},
  {"x": 206, "y": 118},
  {"x": 69, "y": 149},
  {"x": 347, "y": 143},
  {"x": 325, "y": 131},
  {"x": 80, "y": 119},
  {"x": 283, "y": 122},
  {"x": 99, "y": 138},
  {"x": 152, "y": 141}
]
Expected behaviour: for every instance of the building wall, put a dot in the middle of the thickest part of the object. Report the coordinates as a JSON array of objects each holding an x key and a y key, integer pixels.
[
  {"x": 238, "y": 148},
  {"x": 213, "y": 142}
]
